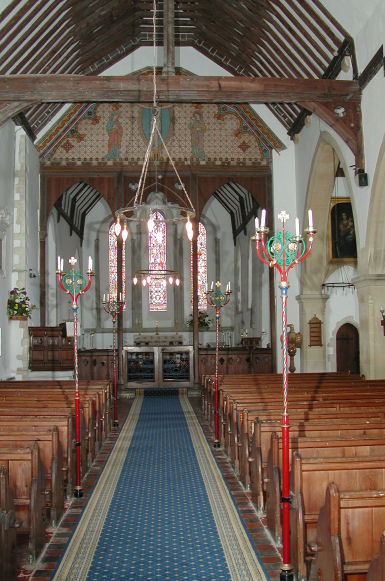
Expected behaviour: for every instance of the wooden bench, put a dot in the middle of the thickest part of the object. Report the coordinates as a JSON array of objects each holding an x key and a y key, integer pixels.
[
  {"x": 66, "y": 427},
  {"x": 376, "y": 570},
  {"x": 59, "y": 402},
  {"x": 317, "y": 428},
  {"x": 349, "y": 526},
  {"x": 26, "y": 482},
  {"x": 309, "y": 480},
  {"x": 317, "y": 448},
  {"x": 51, "y": 458},
  {"x": 7, "y": 529}
]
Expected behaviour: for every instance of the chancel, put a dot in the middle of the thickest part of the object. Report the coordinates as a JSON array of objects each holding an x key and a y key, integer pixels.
[{"x": 193, "y": 193}]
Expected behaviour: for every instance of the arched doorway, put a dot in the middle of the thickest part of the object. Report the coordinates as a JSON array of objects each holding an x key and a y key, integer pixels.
[{"x": 347, "y": 349}]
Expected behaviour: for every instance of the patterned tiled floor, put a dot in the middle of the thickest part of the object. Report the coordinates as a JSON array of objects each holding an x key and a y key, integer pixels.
[{"x": 58, "y": 538}]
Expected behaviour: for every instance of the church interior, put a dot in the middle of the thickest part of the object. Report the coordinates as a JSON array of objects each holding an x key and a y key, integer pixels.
[{"x": 192, "y": 256}]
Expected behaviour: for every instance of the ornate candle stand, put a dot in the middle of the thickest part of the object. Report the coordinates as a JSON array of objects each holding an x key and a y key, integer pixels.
[
  {"x": 75, "y": 284},
  {"x": 113, "y": 306},
  {"x": 217, "y": 299},
  {"x": 283, "y": 251}
]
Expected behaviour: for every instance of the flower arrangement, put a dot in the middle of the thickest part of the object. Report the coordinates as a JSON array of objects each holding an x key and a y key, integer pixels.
[
  {"x": 19, "y": 304},
  {"x": 203, "y": 320}
]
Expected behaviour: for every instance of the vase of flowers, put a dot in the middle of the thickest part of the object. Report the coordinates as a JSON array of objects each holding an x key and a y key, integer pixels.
[
  {"x": 204, "y": 322},
  {"x": 19, "y": 304}
]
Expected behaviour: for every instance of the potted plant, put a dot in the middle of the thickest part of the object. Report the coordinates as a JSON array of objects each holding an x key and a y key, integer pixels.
[
  {"x": 204, "y": 322},
  {"x": 19, "y": 304}
]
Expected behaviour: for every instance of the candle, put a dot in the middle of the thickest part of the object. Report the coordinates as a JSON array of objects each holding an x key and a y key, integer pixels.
[
  {"x": 58, "y": 263},
  {"x": 256, "y": 223},
  {"x": 229, "y": 287},
  {"x": 61, "y": 265},
  {"x": 212, "y": 285},
  {"x": 297, "y": 227},
  {"x": 89, "y": 263},
  {"x": 310, "y": 214},
  {"x": 104, "y": 298},
  {"x": 263, "y": 218}
]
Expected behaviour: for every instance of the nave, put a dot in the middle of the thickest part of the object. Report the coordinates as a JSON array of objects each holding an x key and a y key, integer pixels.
[{"x": 173, "y": 502}]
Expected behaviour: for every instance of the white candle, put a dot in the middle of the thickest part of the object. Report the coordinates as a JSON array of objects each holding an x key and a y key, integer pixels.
[
  {"x": 104, "y": 298},
  {"x": 297, "y": 227},
  {"x": 310, "y": 214},
  {"x": 212, "y": 285},
  {"x": 58, "y": 263},
  {"x": 256, "y": 222},
  {"x": 263, "y": 218},
  {"x": 229, "y": 287},
  {"x": 61, "y": 265},
  {"x": 89, "y": 263}
]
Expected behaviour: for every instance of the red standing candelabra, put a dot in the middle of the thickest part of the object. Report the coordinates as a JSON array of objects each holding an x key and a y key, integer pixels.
[
  {"x": 75, "y": 284},
  {"x": 283, "y": 251},
  {"x": 113, "y": 306},
  {"x": 217, "y": 299}
]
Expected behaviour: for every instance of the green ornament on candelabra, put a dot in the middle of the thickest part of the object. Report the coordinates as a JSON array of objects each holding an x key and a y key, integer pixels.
[
  {"x": 113, "y": 306},
  {"x": 75, "y": 284},
  {"x": 283, "y": 251},
  {"x": 217, "y": 299}
]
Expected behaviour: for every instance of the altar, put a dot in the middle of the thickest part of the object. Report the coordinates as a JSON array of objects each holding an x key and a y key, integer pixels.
[{"x": 158, "y": 366}]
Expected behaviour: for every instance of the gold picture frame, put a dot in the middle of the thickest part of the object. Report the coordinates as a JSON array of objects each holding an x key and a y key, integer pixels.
[{"x": 342, "y": 246}]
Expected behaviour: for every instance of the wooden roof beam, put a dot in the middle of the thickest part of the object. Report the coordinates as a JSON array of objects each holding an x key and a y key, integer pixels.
[{"x": 178, "y": 89}]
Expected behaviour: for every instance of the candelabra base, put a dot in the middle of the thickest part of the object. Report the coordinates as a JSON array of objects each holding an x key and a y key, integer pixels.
[
  {"x": 217, "y": 444},
  {"x": 287, "y": 573},
  {"x": 78, "y": 492}
]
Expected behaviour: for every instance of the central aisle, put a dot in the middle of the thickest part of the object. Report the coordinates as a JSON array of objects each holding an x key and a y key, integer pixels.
[{"x": 160, "y": 509}]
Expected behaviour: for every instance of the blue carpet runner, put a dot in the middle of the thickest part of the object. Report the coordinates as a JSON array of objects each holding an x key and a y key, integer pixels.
[{"x": 160, "y": 509}]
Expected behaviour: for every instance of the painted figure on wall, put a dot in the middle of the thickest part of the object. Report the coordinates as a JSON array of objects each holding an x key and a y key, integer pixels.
[
  {"x": 343, "y": 232},
  {"x": 115, "y": 131},
  {"x": 198, "y": 129}
]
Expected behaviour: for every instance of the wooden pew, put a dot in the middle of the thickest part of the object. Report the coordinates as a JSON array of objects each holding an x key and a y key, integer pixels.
[
  {"x": 309, "y": 480},
  {"x": 26, "y": 482},
  {"x": 7, "y": 529},
  {"x": 51, "y": 458},
  {"x": 34, "y": 399},
  {"x": 317, "y": 428},
  {"x": 65, "y": 423},
  {"x": 317, "y": 448},
  {"x": 349, "y": 526},
  {"x": 376, "y": 570}
]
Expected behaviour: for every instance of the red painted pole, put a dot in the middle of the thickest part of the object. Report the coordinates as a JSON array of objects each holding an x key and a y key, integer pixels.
[
  {"x": 78, "y": 487},
  {"x": 75, "y": 284},
  {"x": 283, "y": 254},
  {"x": 216, "y": 402}
]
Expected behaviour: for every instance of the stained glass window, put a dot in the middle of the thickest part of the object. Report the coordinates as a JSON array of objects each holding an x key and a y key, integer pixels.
[
  {"x": 113, "y": 265},
  {"x": 157, "y": 260},
  {"x": 202, "y": 268}
]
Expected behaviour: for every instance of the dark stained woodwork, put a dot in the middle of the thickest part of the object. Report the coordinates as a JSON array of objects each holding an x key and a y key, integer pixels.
[
  {"x": 347, "y": 349},
  {"x": 349, "y": 127},
  {"x": 178, "y": 89}
]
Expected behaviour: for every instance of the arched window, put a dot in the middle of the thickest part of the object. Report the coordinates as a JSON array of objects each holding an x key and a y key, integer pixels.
[
  {"x": 113, "y": 265},
  {"x": 202, "y": 268},
  {"x": 157, "y": 260}
]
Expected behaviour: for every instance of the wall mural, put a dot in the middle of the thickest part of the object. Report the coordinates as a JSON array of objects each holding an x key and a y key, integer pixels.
[{"x": 193, "y": 133}]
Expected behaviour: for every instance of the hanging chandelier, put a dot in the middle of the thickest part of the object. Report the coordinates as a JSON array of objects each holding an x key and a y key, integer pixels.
[{"x": 150, "y": 205}]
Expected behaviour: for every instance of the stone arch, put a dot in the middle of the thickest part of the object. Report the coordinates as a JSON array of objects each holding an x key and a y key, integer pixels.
[{"x": 315, "y": 268}]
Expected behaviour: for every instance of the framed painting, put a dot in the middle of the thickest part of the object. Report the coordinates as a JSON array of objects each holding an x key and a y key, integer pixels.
[{"x": 341, "y": 236}]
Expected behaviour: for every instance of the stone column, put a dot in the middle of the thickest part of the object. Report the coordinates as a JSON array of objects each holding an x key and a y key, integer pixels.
[
  {"x": 18, "y": 330},
  {"x": 312, "y": 358},
  {"x": 371, "y": 298}
]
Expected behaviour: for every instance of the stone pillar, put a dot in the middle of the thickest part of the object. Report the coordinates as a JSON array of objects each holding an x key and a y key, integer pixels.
[
  {"x": 18, "y": 330},
  {"x": 312, "y": 358},
  {"x": 371, "y": 298}
]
